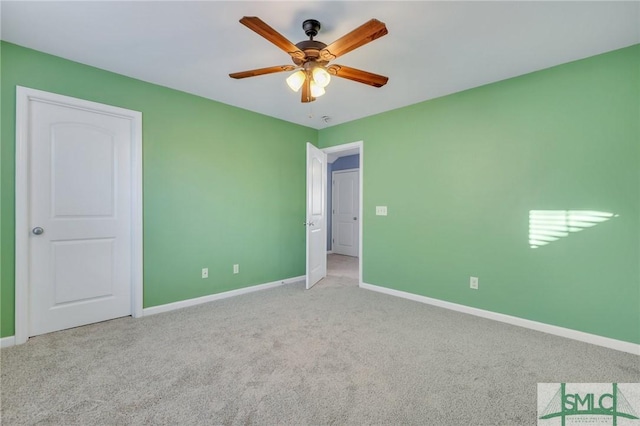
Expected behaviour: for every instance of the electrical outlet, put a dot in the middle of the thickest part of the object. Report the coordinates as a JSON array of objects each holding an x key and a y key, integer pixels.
[
  {"x": 236, "y": 268},
  {"x": 381, "y": 210},
  {"x": 473, "y": 282},
  {"x": 205, "y": 272}
]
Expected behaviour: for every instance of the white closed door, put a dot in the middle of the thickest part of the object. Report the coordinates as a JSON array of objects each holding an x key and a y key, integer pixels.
[
  {"x": 345, "y": 207},
  {"x": 316, "y": 216},
  {"x": 80, "y": 203}
]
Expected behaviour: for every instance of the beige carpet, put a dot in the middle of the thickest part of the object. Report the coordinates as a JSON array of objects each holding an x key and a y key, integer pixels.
[
  {"x": 335, "y": 354},
  {"x": 342, "y": 266}
]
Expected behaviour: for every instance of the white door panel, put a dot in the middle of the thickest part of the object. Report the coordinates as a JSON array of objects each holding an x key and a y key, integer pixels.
[
  {"x": 316, "y": 218},
  {"x": 80, "y": 194},
  {"x": 97, "y": 269},
  {"x": 346, "y": 207},
  {"x": 82, "y": 151},
  {"x": 344, "y": 235}
]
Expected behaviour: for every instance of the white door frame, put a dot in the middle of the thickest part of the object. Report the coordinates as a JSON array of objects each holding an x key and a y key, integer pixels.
[
  {"x": 23, "y": 96},
  {"x": 360, "y": 147},
  {"x": 333, "y": 233}
]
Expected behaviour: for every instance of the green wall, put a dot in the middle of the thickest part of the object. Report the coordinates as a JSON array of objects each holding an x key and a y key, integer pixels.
[
  {"x": 460, "y": 174},
  {"x": 221, "y": 185}
]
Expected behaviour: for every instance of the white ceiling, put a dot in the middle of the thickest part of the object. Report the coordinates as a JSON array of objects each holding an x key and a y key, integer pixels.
[{"x": 432, "y": 49}]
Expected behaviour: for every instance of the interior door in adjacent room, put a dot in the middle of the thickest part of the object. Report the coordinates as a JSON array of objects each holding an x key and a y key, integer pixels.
[
  {"x": 316, "y": 216},
  {"x": 79, "y": 215},
  {"x": 345, "y": 208}
]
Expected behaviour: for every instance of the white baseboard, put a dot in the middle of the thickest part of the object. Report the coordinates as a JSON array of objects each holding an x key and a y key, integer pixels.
[
  {"x": 594, "y": 339},
  {"x": 329, "y": 251},
  {"x": 210, "y": 298},
  {"x": 7, "y": 342}
]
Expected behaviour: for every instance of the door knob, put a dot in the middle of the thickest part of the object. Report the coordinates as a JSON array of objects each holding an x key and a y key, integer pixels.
[
  {"x": 37, "y": 230},
  {"x": 355, "y": 218}
]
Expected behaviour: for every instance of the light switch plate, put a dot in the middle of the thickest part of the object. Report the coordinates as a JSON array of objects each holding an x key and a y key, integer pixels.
[
  {"x": 381, "y": 210},
  {"x": 473, "y": 283}
]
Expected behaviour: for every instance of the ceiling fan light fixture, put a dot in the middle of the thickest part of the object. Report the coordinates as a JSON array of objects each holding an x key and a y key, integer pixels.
[
  {"x": 321, "y": 77},
  {"x": 311, "y": 57},
  {"x": 296, "y": 80},
  {"x": 316, "y": 90}
]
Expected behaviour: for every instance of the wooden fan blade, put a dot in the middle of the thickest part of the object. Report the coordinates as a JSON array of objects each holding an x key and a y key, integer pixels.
[
  {"x": 360, "y": 76},
  {"x": 362, "y": 35},
  {"x": 259, "y": 26},
  {"x": 262, "y": 71},
  {"x": 306, "y": 91}
]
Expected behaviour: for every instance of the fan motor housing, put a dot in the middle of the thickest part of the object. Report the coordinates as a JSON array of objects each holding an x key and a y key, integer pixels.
[{"x": 311, "y": 49}]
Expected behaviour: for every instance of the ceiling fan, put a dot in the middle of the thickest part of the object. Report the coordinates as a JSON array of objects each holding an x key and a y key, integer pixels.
[{"x": 311, "y": 57}]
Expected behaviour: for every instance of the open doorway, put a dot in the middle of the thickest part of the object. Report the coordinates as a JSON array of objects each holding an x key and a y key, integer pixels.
[{"x": 344, "y": 211}]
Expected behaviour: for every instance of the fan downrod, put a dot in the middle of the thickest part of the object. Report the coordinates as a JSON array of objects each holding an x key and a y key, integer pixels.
[{"x": 311, "y": 28}]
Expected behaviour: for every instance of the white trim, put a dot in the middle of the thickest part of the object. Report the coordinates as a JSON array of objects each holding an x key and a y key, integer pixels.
[
  {"x": 21, "y": 217},
  {"x": 361, "y": 212},
  {"x": 136, "y": 220},
  {"x": 345, "y": 147},
  {"x": 329, "y": 251},
  {"x": 23, "y": 96},
  {"x": 7, "y": 342},
  {"x": 218, "y": 296},
  {"x": 594, "y": 339}
]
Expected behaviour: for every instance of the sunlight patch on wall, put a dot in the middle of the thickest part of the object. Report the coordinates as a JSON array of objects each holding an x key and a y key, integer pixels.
[{"x": 547, "y": 226}]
